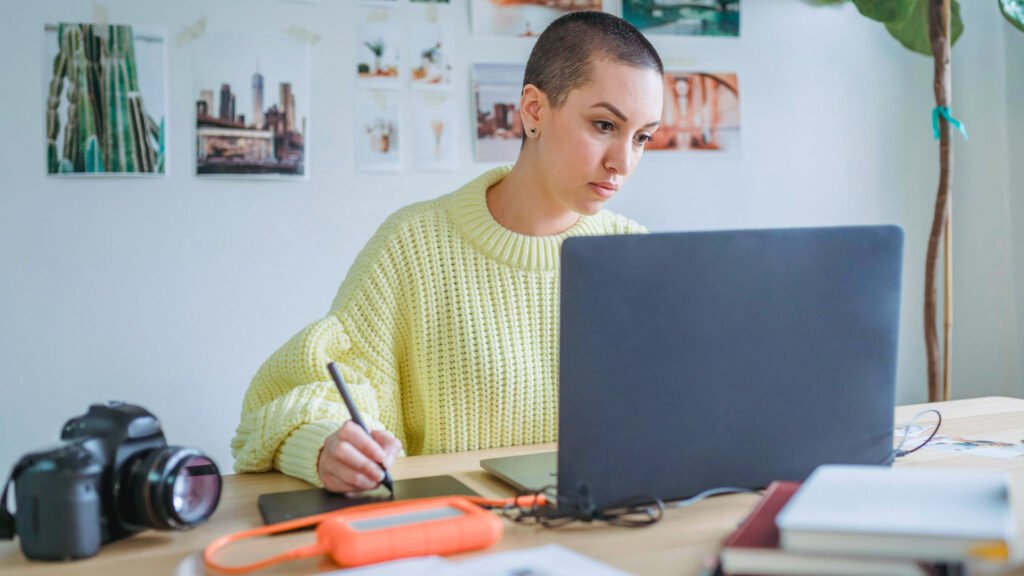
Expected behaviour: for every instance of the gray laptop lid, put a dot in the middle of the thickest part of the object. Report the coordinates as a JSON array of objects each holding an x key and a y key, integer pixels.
[
  {"x": 696, "y": 360},
  {"x": 527, "y": 472}
]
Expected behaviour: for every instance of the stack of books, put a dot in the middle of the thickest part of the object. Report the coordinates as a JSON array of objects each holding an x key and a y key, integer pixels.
[{"x": 867, "y": 520}]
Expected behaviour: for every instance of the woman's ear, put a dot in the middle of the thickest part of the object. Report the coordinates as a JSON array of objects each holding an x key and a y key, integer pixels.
[{"x": 533, "y": 106}]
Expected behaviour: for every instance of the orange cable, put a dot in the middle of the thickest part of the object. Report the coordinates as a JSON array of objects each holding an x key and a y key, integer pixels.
[{"x": 315, "y": 549}]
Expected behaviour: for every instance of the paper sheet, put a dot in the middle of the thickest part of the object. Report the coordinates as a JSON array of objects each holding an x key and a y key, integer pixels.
[
  {"x": 551, "y": 560},
  {"x": 985, "y": 448}
]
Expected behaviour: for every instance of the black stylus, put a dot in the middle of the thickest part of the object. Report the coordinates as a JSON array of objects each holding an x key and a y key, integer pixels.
[{"x": 354, "y": 412}]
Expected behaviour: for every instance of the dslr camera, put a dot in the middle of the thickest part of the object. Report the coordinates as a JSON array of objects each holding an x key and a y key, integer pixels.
[{"x": 111, "y": 476}]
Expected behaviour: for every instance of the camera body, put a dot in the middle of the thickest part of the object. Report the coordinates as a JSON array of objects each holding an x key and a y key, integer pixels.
[{"x": 113, "y": 475}]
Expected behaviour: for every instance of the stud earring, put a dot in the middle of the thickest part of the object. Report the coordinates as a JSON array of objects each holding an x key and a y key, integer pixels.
[{"x": 533, "y": 130}]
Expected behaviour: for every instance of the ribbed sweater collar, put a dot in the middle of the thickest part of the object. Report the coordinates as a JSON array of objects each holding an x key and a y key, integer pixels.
[{"x": 468, "y": 208}]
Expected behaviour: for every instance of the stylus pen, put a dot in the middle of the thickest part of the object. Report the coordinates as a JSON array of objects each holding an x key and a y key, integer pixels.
[{"x": 354, "y": 412}]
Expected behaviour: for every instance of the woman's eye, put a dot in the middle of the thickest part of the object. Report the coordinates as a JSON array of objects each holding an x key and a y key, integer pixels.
[
  {"x": 643, "y": 139},
  {"x": 604, "y": 126}
]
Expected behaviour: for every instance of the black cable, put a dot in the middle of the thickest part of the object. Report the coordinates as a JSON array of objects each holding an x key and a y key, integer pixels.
[
  {"x": 632, "y": 513},
  {"x": 642, "y": 510},
  {"x": 898, "y": 452},
  {"x": 713, "y": 492}
]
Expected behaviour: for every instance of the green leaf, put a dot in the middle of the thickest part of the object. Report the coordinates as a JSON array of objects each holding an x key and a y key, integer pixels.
[
  {"x": 1013, "y": 10},
  {"x": 885, "y": 11},
  {"x": 912, "y": 32}
]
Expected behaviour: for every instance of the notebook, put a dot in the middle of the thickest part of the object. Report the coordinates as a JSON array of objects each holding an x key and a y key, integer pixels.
[
  {"x": 753, "y": 548},
  {"x": 695, "y": 360},
  {"x": 942, "y": 515}
]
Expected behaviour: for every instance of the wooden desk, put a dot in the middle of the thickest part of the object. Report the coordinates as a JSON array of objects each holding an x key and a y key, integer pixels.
[{"x": 674, "y": 546}]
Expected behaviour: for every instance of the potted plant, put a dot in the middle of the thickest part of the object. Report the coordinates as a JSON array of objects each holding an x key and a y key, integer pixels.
[
  {"x": 930, "y": 27},
  {"x": 377, "y": 48},
  {"x": 380, "y": 135}
]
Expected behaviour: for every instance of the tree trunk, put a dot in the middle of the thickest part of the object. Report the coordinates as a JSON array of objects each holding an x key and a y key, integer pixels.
[{"x": 939, "y": 31}]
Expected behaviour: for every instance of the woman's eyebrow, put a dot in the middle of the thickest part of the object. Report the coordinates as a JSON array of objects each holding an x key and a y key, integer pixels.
[{"x": 611, "y": 108}]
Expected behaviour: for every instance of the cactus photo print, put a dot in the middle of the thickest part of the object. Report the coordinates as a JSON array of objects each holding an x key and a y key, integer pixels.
[{"x": 106, "y": 101}]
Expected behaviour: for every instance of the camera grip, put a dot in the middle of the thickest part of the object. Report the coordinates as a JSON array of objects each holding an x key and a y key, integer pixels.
[{"x": 58, "y": 514}]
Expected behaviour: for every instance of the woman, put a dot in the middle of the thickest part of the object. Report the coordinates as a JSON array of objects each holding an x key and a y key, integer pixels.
[{"x": 446, "y": 326}]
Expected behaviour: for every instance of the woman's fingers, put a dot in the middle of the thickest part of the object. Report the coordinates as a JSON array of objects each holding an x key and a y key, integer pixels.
[
  {"x": 343, "y": 468},
  {"x": 355, "y": 435},
  {"x": 392, "y": 447},
  {"x": 358, "y": 469},
  {"x": 351, "y": 459},
  {"x": 338, "y": 476}
]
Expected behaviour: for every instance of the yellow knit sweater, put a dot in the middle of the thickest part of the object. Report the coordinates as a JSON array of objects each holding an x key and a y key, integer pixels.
[{"x": 446, "y": 330}]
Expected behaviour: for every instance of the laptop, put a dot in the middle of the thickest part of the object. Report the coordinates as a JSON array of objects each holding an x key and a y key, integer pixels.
[{"x": 696, "y": 360}]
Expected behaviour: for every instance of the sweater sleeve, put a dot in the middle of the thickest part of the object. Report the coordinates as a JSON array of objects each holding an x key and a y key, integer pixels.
[{"x": 292, "y": 405}]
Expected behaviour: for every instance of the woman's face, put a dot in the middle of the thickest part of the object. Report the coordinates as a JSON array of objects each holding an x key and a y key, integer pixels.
[{"x": 590, "y": 146}]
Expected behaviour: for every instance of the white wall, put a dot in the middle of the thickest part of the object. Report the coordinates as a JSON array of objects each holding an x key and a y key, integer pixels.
[
  {"x": 1015, "y": 152},
  {"x": 171, "y": 292},
  {"x": 984, "y": 292}
]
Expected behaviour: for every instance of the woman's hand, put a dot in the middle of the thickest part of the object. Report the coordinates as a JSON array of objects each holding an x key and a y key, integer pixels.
[{"x": 351, "y": 459}]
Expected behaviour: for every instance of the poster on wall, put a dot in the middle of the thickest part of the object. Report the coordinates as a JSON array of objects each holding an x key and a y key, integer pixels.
[
  {"x": 701, "y": 113},
  {"x": 522, "y": 18},
  {"x": 435, "y": 131},
  {"x": 499, "y": 128},
  {"x": 251, "y": 104},
  {"x": 378, "y": 53},
  {"x": 700, "y": 18},
  {"x": 431, "y": 52},
  {"x": 106, "y": 100},
  {"x": 378, "y": 132}
]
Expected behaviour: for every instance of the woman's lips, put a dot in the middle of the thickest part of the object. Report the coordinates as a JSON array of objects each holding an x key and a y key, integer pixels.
[{"x": 603, "y": 189}]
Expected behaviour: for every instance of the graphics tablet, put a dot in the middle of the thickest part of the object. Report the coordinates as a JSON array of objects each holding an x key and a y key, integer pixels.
[{"x": 281, "y": 506}]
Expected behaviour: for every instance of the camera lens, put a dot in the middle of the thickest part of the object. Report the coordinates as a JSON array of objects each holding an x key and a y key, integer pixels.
[
  {"x": 171, "y": 488},
  {"x": 196, "y": 490}
]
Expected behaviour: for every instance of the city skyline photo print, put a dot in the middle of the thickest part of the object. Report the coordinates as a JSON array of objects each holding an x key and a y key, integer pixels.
[
  {"x": 251, "y": 102},
  {"x": 499, "y": 129}
]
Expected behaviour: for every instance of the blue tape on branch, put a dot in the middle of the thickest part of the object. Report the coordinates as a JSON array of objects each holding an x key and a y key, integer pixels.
[{"x": 944, "y": 111}]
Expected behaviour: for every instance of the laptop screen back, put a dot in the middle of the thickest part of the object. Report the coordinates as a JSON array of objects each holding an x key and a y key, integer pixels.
[{"x": 697, "y": 360}]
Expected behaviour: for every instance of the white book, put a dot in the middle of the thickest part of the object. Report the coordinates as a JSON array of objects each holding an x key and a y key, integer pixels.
[
  {"x": 937, "y": 515},
  {"x": 775, "y": 562}
]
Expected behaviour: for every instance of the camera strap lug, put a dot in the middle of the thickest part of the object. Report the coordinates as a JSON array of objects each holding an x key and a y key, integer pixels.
[{"x": 7, "y": 527}]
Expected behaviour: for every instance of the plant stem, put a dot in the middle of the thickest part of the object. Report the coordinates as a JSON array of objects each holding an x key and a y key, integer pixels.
[{"x": 939, "y": 32}]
